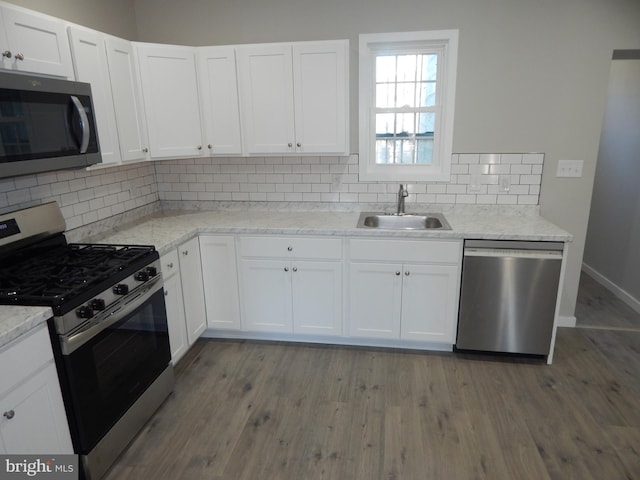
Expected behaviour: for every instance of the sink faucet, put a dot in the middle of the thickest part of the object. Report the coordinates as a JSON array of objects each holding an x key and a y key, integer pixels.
[{"x": 402, "y": 194}]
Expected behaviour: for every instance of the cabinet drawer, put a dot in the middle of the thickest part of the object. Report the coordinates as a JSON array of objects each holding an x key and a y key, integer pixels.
[
  {"x": 430, "y": 251},
  {"x": 291, "y": 247},
  {"x": 23, "y": 356},
  {"x": 169, "y": 263}
]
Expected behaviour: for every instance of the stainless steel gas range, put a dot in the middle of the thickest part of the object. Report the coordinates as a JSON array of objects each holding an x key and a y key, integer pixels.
[{"x": 109, "y": 330}]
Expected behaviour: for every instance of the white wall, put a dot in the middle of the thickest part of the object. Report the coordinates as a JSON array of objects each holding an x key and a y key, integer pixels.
[
  {"x": 532, "y": 75},
  {"x": 110, "y": 16},
  {"x": 613, "y": 236}
]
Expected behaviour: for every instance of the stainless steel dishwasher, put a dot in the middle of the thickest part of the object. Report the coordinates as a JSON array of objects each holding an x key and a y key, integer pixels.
[{"x": 508, "y": 296}]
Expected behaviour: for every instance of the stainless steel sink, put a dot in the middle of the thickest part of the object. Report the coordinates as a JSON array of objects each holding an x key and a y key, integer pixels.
[{"x": 408, "y": 221}]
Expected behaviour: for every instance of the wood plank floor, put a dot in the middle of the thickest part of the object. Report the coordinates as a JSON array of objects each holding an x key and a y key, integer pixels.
[
  {"x": 598, "y": 307},
  {"x": 270, "y": 411}
]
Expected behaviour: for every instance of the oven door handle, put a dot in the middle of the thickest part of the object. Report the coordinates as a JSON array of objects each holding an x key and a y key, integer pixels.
[{"x": 109, "y": 317}]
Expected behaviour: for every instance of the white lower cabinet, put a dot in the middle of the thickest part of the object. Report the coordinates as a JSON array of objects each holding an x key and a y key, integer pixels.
[
  {"x": 33, "y": 419},
  {"x": 405, "y": 290},
  {"x": 220, "y": 280},
  {"x": 291, "y": 285},
  {"x": 184, "y": 297}
]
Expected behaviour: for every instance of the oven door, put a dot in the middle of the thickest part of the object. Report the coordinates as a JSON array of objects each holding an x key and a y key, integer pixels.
[{"x": 111, "y": 362}]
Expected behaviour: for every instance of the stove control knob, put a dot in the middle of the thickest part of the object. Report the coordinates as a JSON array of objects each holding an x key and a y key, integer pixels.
[
  {"x": 121, "y": 289},
  {"x": 84, "y": 312},
  {"x": 152, "y": 271},
  {"x": 97, "y": 304},
  {"x": 142, "y": 276}
]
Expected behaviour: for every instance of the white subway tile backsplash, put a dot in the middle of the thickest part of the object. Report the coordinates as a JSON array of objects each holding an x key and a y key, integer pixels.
[
  {"x": 511, "y": 158},
  {"x": 533, "y": 158},
  {"x": 489, "y": 158},
  {"x": 89, "y": 196}
]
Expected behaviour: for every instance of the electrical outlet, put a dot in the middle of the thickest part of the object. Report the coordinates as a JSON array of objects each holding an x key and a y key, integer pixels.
[{"x": 570, "y": 168}]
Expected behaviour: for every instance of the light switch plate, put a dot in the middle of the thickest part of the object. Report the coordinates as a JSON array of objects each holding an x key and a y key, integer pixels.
[{"x": 570, "y": 168}]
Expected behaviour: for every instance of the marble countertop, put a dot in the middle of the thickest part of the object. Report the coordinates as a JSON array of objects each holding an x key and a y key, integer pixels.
[
  {"x": 16, "y": 320},
  {"x": 169, "y": 229}
]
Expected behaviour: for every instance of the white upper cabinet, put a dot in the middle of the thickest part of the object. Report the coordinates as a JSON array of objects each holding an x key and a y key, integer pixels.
[
  {"x": 218, "y": 86},
  {"x": 170, "y": 97},
  {"x": 127, "y": 99},
  {"x": 294, "y": 97},
  {"x": 320, "y": 85},
  {"x": 90, "y": 64},
  {"x": 31, "y": 42},
  {"x": 266, "y": 89}
]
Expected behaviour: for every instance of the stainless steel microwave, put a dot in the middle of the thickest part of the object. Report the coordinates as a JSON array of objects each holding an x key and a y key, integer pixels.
[{"x": 45, "y": 124}]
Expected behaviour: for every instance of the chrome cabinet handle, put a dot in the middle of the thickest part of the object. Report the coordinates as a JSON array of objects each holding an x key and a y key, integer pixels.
[
  {"x": 199, "y": 147},
  {"x": 290, "y": 144},
  {"x": 295, "y": 269},
  {"x": 289, "y": 249},
  {"x": 299, "y": 144},
  {"x": 9, "y": 415},
  {"x": 209, "y": 146},
  {"x": 185, "y": 252},
  {"x": 145, "y": 150},
  {"x": 6, "y": 54},
  {"x": 286, "y": 269},
  {"x": 166, "y": 293},
  {"x": 170, "y": 265},
  {"x": 397, "y": 273},
  {"x": 406, "y": 274},
  {"x": 19, "y": 56}
]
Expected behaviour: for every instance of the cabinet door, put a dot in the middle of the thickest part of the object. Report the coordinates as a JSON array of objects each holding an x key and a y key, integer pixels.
[
  {"x": 126, "y": 100},
  {"x": 320, "y": 85},
  {"x": 220, "y": 277},
  {"x": 175, "y": 315},
  {"x": 317, "y": 297},
  {"x": 170, "y": 96},
  {"x": 218, "y": 86},
  {"x": 266, "y": 299},
  {"x": 266, "y": 92},
  {"x": 192, "y": 289},
  {"x": 429, "y": 305},
  {"x": 38, "y": 422},
  {"x": 90, "y": 63},
  {"x": 375, "y": 294},
  {"x": 38, "y": 43}
]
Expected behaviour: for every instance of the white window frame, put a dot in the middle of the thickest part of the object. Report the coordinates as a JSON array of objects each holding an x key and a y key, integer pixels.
[{"x": 445, "y": 43}]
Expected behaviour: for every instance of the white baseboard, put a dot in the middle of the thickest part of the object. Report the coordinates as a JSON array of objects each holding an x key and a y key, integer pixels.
[
  {"x": 627, "y": 298},
  {"x": 566, "y": 321}
]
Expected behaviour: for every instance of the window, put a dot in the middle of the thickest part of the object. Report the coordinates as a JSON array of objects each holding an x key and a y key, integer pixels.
[{"x": 407, "y": 86}]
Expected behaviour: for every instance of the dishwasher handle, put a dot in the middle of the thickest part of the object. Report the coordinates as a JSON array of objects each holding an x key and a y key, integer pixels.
[{"x": 513, "y": 253}]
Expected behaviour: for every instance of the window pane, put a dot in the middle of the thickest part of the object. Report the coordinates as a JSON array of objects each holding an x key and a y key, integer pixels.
[
  {"x": 385, "y": 124},
  {"x": 407, "y": 68},
  {"x": 427, "y": 94},
  {"x": 406, "y": 95},
  {"x": 405, "y": 124},
  {"x": 385, "y": 95},
  {"x": 406, "y": 151},
  {"x": 426, "y": 123},
  {"x": 425, "y": 151},
  {"x": 384, "y": 151},
  {"x": 386, "y": 68},
  {"x": 429, "y": 67}
]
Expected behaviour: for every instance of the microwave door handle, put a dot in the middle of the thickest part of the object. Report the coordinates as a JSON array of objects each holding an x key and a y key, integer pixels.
[{"x": 84, "y": 123}]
